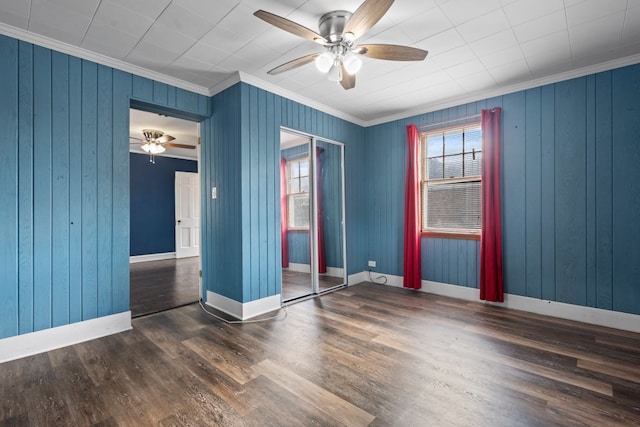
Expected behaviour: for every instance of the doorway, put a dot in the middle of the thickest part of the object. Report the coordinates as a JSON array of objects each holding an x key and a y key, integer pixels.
[
  {"x": 165, "y": 207},
  {"x": 312, "y": 215}
]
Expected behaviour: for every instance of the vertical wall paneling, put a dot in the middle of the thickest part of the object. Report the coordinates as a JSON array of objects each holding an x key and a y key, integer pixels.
[
  {"x": 626, "y": 189},
  {"x": 251, "y": 118},
  {"x": 64, "y": 193},
  {"x": 160, "y": 93},
  {"x": 89, "y": 191},
  {"x": 569, "y": 196},
  {"x": 60, "y": 188},
  {"x": 514, "y": 192},
  {"x": 75, "y": 189},
  {"x": 547, "y": 184},
  {"x": 9, "y": 188},
  {"x": 590, "y": 188},
  {"x": 42, "y": 146},
  {"x": 533, "y": 191},
  {"x": 604, "y": 191},
  {"x": 142, "y": 88},
  {"x": 104, "y": 157},
  {"x": 120, "y": 205},
  {"x": 25, "y": 185},
  {"x": 570, "y": 191},
  {"x": 274, "y": 278}
]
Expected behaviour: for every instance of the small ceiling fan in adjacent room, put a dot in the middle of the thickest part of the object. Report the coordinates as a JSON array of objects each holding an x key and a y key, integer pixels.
[
  {"x": 155, "y": 142},
  {"x": 338, "y": 31}
]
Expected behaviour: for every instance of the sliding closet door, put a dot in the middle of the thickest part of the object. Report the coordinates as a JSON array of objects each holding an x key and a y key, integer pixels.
[
  {"x": 329, "y": 208},
  {"x": 296, "y": 220}
]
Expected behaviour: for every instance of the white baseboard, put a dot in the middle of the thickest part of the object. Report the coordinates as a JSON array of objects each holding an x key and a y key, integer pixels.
[
  {"x": 152, "y": 257},
  {"x": 578, "y": 313},
  {"x": 306, "y": 268},
  {"x": 300, "y": 268},
  {"x": 356, "y": 278},
  {"x": 243, "y": 311},
  {"x": 61, "y": 336}
]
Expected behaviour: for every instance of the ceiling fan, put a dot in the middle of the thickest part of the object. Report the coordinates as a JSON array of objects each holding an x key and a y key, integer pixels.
[
  {"x": 338, "y": 31},
  {"x": 155, "y": 142}
]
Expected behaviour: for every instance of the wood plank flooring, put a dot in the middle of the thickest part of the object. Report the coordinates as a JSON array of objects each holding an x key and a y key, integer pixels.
[
  {"x": 160, "y": 285},
  {"x": 367, "y": 355}
]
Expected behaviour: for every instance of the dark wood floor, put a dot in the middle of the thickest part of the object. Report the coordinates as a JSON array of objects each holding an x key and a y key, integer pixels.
[
  {"x": 297, "y": 284},
  {"x": 367, "y": 355},
  {"x": 161, "y": 285}
]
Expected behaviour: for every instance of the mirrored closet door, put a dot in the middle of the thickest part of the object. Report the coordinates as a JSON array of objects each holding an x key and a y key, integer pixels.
[{"x": 312, "y": 215}]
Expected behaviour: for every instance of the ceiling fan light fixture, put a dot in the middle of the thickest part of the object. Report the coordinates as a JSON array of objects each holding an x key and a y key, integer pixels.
[
  {"x": 335, "y": 73},
  {"x": 348, "y": 37},
  {"x": 153, "y": 147},
  {"x": 325, "y": 61},
  {"x": 352, "y": 63}
]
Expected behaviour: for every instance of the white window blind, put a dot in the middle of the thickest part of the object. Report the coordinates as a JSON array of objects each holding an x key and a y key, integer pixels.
[
  {"x": 451, "y": 187},
  {"x": 298, "y": 193}
]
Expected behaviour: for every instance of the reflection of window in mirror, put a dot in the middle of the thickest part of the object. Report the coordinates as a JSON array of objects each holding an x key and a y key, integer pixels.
[{"x": 298, "y": 193}]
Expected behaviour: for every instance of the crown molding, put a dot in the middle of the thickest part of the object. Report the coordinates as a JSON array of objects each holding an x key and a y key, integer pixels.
[
  {"x": 270, "y": 87},
  {"x": 240, "y": 76},
  {"x": 82, "y": 53},
  {"x": 504, "y": 90}
]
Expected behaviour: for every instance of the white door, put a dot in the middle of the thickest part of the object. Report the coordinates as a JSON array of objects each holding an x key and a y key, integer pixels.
[{"x": 187, "y": 214}]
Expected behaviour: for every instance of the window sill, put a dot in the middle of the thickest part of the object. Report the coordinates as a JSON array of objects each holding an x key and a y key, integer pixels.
[
  {"x": 297, "y": 230},
  {"x": 452, "y": 234}
]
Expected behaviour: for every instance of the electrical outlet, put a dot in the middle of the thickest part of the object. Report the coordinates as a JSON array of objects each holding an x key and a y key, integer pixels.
[
  {"x": 372, "y": 263},
  {"x": 214, "y": 192}
]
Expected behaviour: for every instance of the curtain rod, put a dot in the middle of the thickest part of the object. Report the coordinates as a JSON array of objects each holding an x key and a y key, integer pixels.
[{"x": 473, "y": 116}]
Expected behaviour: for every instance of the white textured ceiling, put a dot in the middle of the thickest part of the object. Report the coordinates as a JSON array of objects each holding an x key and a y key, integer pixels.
[{"x": 476, "y": 47}]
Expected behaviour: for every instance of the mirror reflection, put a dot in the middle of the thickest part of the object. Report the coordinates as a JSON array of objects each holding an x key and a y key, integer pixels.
[{"x": 312, "y": 223}]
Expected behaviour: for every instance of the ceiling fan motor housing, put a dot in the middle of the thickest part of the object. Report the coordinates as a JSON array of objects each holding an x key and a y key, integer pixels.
[{"x": 331, "y": 25}]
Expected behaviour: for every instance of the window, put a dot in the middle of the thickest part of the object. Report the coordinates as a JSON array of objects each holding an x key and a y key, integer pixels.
[
  {"x": 298, "y": 193},
  {"x": 451, "y": 183}
]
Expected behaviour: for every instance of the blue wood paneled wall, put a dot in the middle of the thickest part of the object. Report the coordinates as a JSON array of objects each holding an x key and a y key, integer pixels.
[
  {"x": 242, "y": 140},
  {"x": 64, "y": 184},
  {"x": 570, "y": 186},
  {"x": 153, "y": 202}
]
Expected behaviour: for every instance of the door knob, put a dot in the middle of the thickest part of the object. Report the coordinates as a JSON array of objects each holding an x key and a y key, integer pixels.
[{"x": 179, "y": 222}]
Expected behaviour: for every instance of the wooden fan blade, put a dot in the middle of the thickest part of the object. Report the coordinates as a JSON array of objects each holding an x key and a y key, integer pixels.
[
  {"x": 392, "y": 52},
  {"x": 289, "y": 26},
  {"x": 169, "y": 144},
  {"x": 137, "y": 139},
  {"x": 298, "y": 62},
  {"x": 165, "y": 138},
  {"x": 348, "y": 81},
  {"x": 366, "y": 16}
]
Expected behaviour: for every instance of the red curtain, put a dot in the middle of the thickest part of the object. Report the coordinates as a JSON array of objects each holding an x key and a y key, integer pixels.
[
  {"x": 412, "y": 274},
  {"x": 491, "y": 280},
  {"x": 284, "y": 213},
  {"x": 322, "y": 261}
]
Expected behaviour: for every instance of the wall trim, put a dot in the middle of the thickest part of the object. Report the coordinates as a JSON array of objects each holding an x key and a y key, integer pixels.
[
  {"x": 238, "y": 76},
  {"x": 62, "y": 336},
  {"x": 300, "y": 268},
  {"x": 354, "y": 279},
  {"x": 306, "y": 268},
  {"x": 243, "y": 311},
  {"x": 78, "y": 52},
  {"x": 578, "y": 313},
  {"x": 152, "y": 257}
]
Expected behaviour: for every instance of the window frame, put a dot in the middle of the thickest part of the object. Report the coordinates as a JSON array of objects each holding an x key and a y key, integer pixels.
[
  {"x": 290, "y": 195},
  {"x": 448, "y": 233}
]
